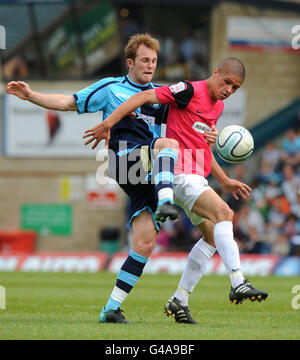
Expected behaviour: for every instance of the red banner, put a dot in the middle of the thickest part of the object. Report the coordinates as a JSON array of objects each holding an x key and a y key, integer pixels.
[
  {"x": 170, "y": 263},
  {"x": 53, "y": 261},
  {"x": 174, "y": 263}
]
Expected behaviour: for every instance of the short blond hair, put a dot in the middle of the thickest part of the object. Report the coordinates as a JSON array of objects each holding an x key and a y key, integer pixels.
[{"x": 135, "y": 41}]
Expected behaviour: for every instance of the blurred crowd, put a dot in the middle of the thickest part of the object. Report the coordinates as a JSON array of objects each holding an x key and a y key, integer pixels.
[{"x": 269, "y": 223}]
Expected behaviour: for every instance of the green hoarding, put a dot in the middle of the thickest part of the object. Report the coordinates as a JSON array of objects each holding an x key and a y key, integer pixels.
[
  {"x": 47, "y": 219},
  {"x": 99, "y": 39}
]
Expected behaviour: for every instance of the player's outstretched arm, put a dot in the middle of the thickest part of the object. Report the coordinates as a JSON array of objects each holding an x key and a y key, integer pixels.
[
  {"x": 49, "y": 101},
  {"x": 101, "y": 131},
  {"x": 237, "y": 188}
]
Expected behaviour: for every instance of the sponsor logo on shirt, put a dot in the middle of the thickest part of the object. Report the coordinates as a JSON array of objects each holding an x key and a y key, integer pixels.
[
  {"x": 175, "y": 89},
  {"x": 201, "y": 127},
  {"x": 148, "y": 119},
  {"x": 155, "y": 106},
  {"x": 125, "y": 96}
]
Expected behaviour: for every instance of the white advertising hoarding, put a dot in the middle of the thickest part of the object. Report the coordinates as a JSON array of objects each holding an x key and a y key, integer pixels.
[
  {"x": 263, "y": 34},
  {"x": 234, "y": 112},
  {"x": 31, "y": 131}
]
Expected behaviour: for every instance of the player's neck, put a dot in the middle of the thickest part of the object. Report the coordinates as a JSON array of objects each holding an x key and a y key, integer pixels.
[
  {"x": 209, "y": 89},
  {"x": 136, "y": 81}
]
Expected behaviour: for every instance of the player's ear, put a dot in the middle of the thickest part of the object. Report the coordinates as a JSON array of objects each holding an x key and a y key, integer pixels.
[
  {"x": 129, "y": 62},
  {"x": 216, "y": 71}
]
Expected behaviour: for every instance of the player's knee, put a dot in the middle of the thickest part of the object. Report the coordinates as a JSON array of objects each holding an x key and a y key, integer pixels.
[
  {"x": 146, "y": 245},
  {"x": 224, "y": 213},
  {"x": 168, "y": 143},
  {"x": 172, "y": 144},
  {"x": 148, "y": 249}
]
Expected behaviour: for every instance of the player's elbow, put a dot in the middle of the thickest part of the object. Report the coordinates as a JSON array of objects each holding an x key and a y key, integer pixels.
[
  {"x": 67, "y": 103},
  {"x": 147, "y": 97}
]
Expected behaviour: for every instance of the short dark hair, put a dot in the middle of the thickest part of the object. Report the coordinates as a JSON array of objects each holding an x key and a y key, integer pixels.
[{"x": 234, "y": 66}]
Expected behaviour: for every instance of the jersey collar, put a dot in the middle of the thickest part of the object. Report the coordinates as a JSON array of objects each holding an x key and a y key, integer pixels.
[{"x": 127, "y": 78}]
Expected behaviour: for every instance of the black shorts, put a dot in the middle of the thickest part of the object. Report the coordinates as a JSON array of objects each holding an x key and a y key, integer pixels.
[{"x": 130, "y": 166}]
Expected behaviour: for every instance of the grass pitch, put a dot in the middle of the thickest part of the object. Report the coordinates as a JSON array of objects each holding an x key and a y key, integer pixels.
[{"x": 67, "y": 306}]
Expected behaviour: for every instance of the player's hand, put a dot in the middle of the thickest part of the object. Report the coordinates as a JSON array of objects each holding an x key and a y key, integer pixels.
[
  {"x": 96, "y": 134},
  {"x": 211, "y": 136},
  {"x": 19, "y": 88},
  {"x": 237, "y": 188}
]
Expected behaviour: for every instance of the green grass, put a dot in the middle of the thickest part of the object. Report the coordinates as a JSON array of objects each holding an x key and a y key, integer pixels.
[{"x": 67, "y": 306}]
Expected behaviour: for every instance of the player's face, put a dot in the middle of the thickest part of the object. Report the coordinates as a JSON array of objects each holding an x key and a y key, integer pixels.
[
  {"x": 224, "y": 84},
  {"x": 142, "y": 68}
]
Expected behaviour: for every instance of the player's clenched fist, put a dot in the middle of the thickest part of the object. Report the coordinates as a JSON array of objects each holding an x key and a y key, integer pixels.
[{"x": 211, "y": 136}]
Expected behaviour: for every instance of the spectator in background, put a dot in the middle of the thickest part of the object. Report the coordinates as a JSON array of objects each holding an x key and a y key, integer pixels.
[
  {"x": 278, "y": 213},
  {"x": 179, "y": 237},
  {"x": 293, "y": 235},
  {"x": 273, "y": 188},
  {"x": 128, "y": 25},
  {"x": 15, "y": 68},
  {"x": 169, "y": 54},
  {"x": 239, "y": 173},
  {"x": 270, "y": 161},
  {"x": 250, "y": 223},
  {"x": 291, "y": 148},
  {"x": 162, "y": 240},
  {"x": 187, "y": 49},
  {"x": 182, "y": 234},
  {"x": 291, "y": 183},
  {"x": 295, "y": 207},
  {"x": 258, "y": 197},
  {"x": 279, "y": 244},
  {"x": 295, "y": 245}
]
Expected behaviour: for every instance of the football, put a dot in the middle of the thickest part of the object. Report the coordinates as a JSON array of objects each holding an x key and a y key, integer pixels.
[{"x": 234, "y": 144}]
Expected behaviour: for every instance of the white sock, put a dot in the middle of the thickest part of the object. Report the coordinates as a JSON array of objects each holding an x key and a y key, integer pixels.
[
  {"x": 236, "y": 278},
  {"x": 182, "y": 295},
  {"x": 229, "y": 251},
  {"x": 165, "y": 194},
  {"x": 194, "y": 270},
  {"x": 118, "y": 294}
]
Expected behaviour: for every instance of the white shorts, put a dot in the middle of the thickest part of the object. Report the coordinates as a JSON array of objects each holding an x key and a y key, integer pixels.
[{"x": 187, "y": 189}]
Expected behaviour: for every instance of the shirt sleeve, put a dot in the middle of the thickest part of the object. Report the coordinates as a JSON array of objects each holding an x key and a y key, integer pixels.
[
  {"x": 179, "y": 94},
  {"x": 94, "y": 97}
]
